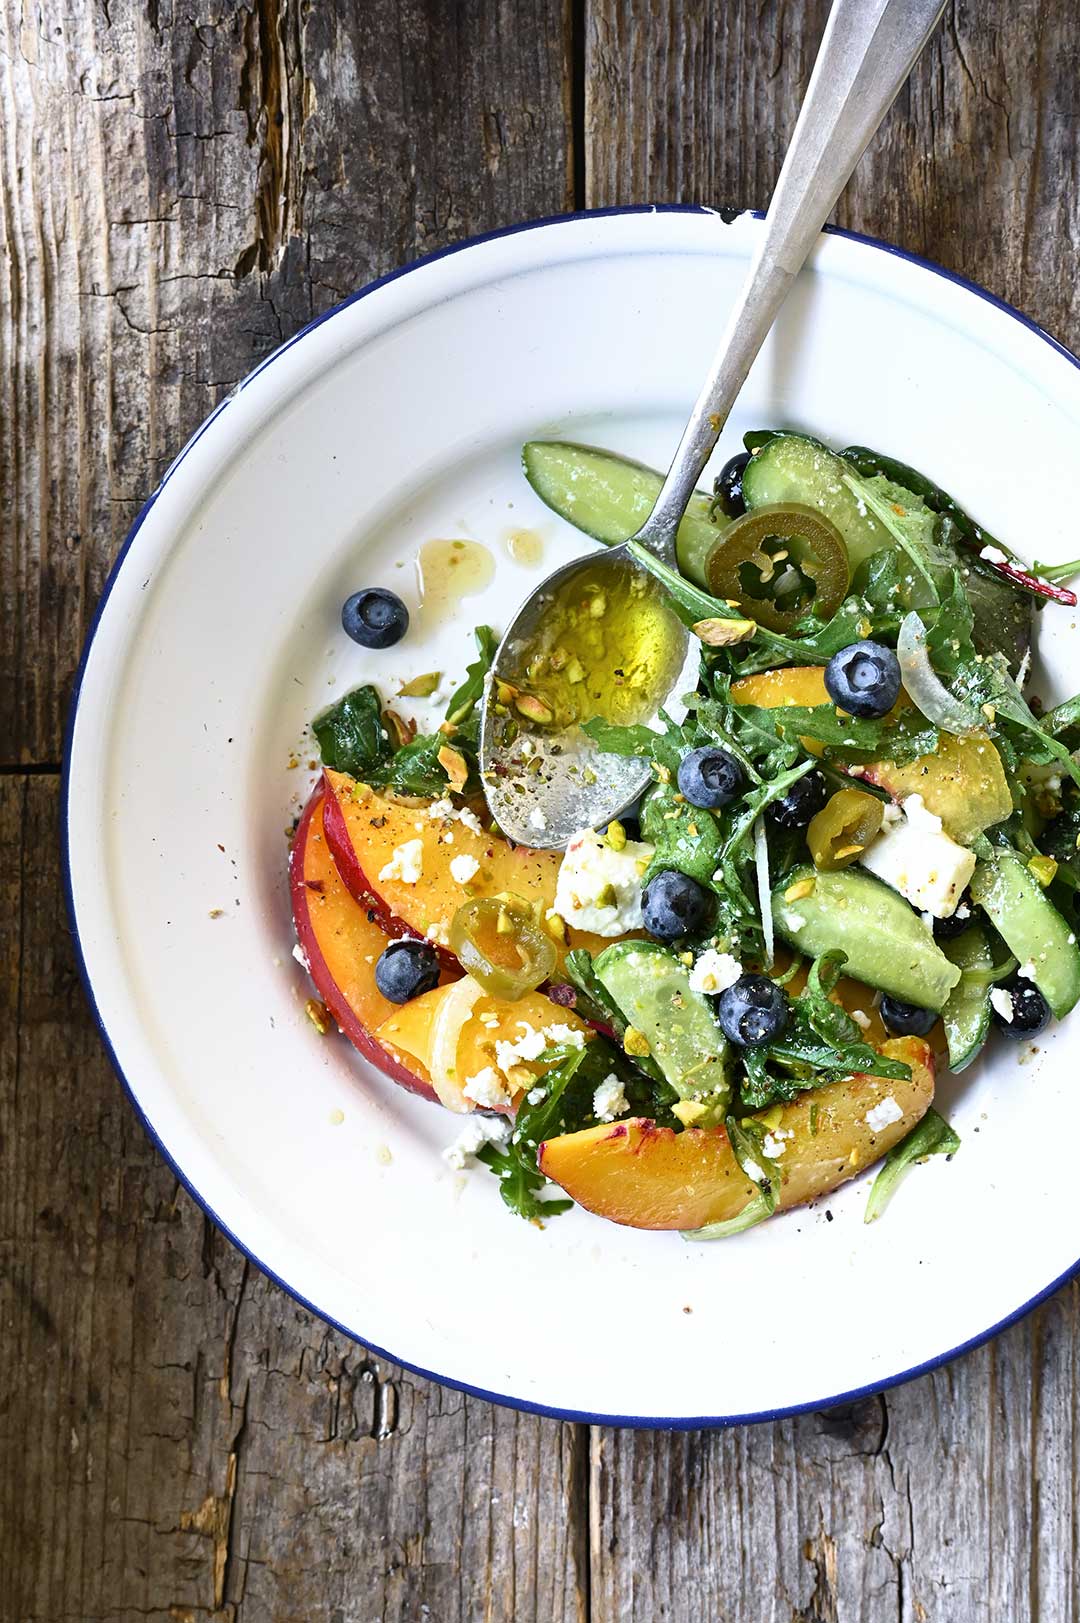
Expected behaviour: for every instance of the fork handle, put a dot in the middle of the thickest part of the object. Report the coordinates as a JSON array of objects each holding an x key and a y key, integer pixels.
[{"x": 867, "y": 51}]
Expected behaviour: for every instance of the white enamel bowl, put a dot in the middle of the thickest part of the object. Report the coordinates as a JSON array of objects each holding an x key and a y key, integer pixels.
[{"x": 395, "y": 419}]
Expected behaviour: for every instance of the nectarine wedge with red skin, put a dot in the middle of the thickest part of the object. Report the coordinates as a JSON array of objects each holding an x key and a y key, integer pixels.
[
  {"x": 364, "y": 829},
  {"x": 644, "y": 1176},
  {"x": 341, "y": 945},
  {"x": 963, "y": 782}
]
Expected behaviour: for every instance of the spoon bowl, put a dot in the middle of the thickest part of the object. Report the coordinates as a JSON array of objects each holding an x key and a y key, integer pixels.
[{"x": 544, "y": 777}]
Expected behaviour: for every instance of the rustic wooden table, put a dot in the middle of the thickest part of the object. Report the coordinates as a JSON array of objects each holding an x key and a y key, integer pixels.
[{"x": 181, "y": 188}]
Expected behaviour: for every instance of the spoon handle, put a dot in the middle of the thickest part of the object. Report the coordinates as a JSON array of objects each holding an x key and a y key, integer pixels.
[{"x": 868, "y": 49}]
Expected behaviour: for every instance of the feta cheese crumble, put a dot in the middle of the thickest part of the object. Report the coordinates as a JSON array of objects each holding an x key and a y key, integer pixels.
[
  {"x": 537, "y": 819},
  {"x": 714, "y": 972},
  {"x": 861, "y": 1018},
  {"x": 600, "y": 889},
  {"x": 884, "y": 1113},
  {"x": 774, "y": 1147},
  {"x": 993, "y": 555},
  {"x": 477, "y": 1131},
  {"x": 568, "y": 1036},
  {"x": 468, "y": 819},
  {"x": 529, "y": 1046},
  {"x": 463, "y": 868},
  {"x": 917, "y": 858},
  {"x": 406, "y": 864},
  {"x": 486, "y": 1089},
  {"x": 1027, "y": 971},
  {"x": 1001, "y": 1000},
  {"x": 610, "y": 1099}
]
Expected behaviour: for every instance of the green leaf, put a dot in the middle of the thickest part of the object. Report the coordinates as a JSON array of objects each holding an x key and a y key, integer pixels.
[
  {"x": 1057, "y": 572},
  {"x": 351, "y": 734},
  {"x": 906, "y": 517},
  {"x": 987, "y": 681},
  {"x": 685, "y": 837},
  {"x": 931, "y": 1136},
  {"x": 747, "y": 1143},
  {"x": 645, "y": 743},
  {"x": 464, "y": 699}
]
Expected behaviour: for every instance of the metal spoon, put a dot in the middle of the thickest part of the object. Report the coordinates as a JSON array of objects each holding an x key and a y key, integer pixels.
[{"x": 545, "y": 779}]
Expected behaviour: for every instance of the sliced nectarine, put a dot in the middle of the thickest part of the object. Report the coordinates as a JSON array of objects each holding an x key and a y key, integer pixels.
[
  {"x": 645, "y": 1176},
  {"x": 454, "y": 1033},
  {"x": 341, "y": 946},
  {"x": 963, "y": 782},
  {"x": 397, "y": 859}
]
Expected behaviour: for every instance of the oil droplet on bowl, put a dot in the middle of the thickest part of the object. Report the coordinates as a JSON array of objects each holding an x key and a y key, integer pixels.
[
  {"x": 447, "y": 571},
  {"x": 526, "y": 547}
]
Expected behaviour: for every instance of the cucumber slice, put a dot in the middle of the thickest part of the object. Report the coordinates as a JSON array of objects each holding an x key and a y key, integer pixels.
[
  {"x": 652, "y": 989},
  {"x": 793, "y": 469},
  {"x": 609, "y": 497},
  {"x": 887, "y": 944},
  {"x": 966, "y": 1016},
  {"x": 1031, "y": 927}
]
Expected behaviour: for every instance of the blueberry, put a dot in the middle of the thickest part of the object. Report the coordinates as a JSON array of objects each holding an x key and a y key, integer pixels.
[
  {"x": 905, "y": 1019},
  {"x": 375, "y": 618},
  {"x": 948, "y": 929},
  {"x": 753, "y": 1011},
  {"x": 1030, "y": 1010},
  {"x": 710, "y": 777},
  {"x": 864, "y": 679},
  {"x": 406, "y": 969},
  {"x": 728, "y": 487},
  {"x": 803, "y": 800},
  {"x": 673, "y": 905}
]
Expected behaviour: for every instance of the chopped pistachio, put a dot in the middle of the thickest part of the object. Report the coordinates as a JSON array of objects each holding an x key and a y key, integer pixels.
[
  {"x": 318, "y": 1014},
  {"x": 454, "y": 765},
  {"x": 723, "y": 633},
  {"x": 801, "y": 888},
  {"x": 616, "y": 836},
  {"x": 1044, "y": 869},
  {"x": 421, "y": 687},
  {"x": 607, "y": 896},
  {"x": 534, "y": 709},
  {"x": 688, "y": 1111},
  {"x": 772, "y": 1118},
  {"x": 635, "y": 1042}
]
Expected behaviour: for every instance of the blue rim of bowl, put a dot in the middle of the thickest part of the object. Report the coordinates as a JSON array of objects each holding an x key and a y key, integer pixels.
[{"x": 507, "y": 1400}]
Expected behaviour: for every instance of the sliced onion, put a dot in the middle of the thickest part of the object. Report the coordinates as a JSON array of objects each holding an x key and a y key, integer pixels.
[
  {"x": 924, "y": 687},
  {"x": 761, "y": 864},
  {"x": 455, "y": 1009}
]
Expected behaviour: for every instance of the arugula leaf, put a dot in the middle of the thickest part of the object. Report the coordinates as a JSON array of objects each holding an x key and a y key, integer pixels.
[
  {"x": 906, "y": 517},
  {"x": 351, "y": 734},
  {"x": 667, "y": 747},
  {"x": 565, "y": 1105},
  {"x": 412, "y": 770},
  {"x": 465, "y": 698},
  {"x": 685, "y": 836},
  {"x": 850, "y": 738},
  {"x": 930, "y": 1136},
  {"x": 987, "y": 682},
  {"x": 748, "y": 1145},
  {"x": 1057, "y": 572}
]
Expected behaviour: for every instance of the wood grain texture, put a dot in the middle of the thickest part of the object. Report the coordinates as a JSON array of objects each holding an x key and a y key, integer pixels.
[
  {"x": 180, "y": 189},
  {"x": 178, "y": 1440},
  {"x": 951, "y": 1499}
]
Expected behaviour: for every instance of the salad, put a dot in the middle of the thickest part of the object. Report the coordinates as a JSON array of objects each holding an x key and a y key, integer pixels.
[{"x": 857, "y": 860}]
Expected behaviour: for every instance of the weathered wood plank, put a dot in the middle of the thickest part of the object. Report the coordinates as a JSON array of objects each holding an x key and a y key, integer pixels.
[
  {"x": 182, "y": 189},
  {"x": 180, "y": 1441},
  {"x": 951, "y": 1499},
  {"x": 978, "y": 164}
]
